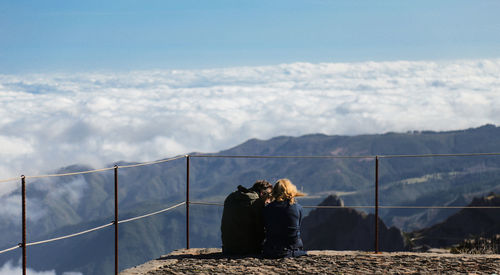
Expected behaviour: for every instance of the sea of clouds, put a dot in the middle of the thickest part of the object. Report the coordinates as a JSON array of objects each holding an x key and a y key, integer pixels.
[
  {"x": 56, "y": 119},
  {"x": 8, "y": 269}
]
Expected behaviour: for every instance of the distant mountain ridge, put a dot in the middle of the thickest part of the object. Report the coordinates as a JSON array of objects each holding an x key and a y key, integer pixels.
[
  {"x": 64, "y": 205},
  {"x": 467, "y": 223}
]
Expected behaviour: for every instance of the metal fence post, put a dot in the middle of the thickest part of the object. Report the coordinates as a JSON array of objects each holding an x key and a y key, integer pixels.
[
  {"x": 187, "y": 201},
  {"x": 23, "y": 194},
  {"x": 376, "y": 205},
  {"x": 116, "y": 220}
]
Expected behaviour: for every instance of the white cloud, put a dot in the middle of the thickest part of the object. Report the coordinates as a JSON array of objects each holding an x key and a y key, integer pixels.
[
  {"x": 9, "y": 269},
  {"x": 53, "y": 120}
]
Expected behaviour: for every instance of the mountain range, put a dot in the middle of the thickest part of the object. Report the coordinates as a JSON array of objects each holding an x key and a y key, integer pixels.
[
  {"x": 64, "y": 205},
  {"x": 477, "y": 221}
]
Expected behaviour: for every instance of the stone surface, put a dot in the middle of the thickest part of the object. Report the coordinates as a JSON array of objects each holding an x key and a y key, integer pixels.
[{"x": 211, "y": 261}]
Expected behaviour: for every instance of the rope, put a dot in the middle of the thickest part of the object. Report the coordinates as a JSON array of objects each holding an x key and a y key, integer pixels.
[
  {"x": 372, "y": 206},
  {"x": 206, "y": 203},
  {"x": 282, "y": 157},
  {"x": 408, "y": 207},
  {"x": 11, "y": 179},
  {"x": 318, "y": 206},
  {"x": 443, "y": 207},
  {"x": 151, "y": 162},
  {"x": 103, "y": 169},
  {"x": 96, "y": 170},
  {"x": 354, "y": 157},
  {"x": 334, "y": 207},
  {"x": 220, "y": 204},
  {"x": 151, "y": 214},
  {"x": 10, "y": 249},
  {"x": 69, "y": 174},
  {"x": 93, "y": 229},
  {"x": 256, "y": 157},
  {"x": 71, "y": 235},
  {"x": 440, "y": 155}
]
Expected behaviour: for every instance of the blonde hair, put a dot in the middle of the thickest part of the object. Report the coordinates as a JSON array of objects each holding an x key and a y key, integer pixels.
[{"x": 284, "y": 189}]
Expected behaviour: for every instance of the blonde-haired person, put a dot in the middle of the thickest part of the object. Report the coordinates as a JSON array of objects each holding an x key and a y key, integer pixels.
[{"x": 282, "y": 220}]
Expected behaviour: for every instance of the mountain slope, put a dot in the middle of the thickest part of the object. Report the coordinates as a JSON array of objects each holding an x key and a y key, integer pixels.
[{"x": 467, "y": 223}]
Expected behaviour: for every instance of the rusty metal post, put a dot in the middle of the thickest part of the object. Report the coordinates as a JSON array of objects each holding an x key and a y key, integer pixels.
[
  {"x": 23, "y": 244},
  {"x": 187, "y": 201},
  {"x": 116, "y": 220},
  {"x": 376, "y": 205}
]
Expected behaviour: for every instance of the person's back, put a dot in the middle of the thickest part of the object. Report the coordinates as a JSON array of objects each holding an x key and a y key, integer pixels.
[
  {"x": 282, "y": 223},
  {"x": 242, "y": 228},
  {"x": 282, "y": 220}
]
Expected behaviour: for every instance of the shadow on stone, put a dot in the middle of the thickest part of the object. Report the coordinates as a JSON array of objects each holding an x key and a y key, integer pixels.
[{"x": 214, "y": 255}]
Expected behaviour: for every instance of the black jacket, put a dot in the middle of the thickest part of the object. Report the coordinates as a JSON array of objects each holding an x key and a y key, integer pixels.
[{"x": 242, "y": 228}]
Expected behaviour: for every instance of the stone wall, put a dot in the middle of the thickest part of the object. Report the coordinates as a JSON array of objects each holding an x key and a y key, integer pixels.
[{"x": 211, "y": 261}]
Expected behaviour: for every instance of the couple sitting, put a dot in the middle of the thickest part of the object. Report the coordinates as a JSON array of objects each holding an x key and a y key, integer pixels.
[{"x": 263, "y": 219}]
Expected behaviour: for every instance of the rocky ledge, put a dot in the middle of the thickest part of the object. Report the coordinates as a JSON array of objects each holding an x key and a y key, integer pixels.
[{"x": 211, "y": 261}]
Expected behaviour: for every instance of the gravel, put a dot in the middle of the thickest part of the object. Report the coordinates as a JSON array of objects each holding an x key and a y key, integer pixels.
[{"x": 211, "y": 261}]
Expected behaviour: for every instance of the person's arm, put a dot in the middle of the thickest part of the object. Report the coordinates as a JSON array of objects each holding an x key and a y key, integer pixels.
[{"x": 300, "y": 214}]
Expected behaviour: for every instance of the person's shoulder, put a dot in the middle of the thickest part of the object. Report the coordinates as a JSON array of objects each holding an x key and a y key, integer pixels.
[
  {"x": 277, "y": 204},
  {"x": 232, "y": 195},
  {"x": 236, "y": 196},
  {"x": 270, "y": 205},
  {"x": 251, "y": 195},
  {"x": 296, "y": 205}
]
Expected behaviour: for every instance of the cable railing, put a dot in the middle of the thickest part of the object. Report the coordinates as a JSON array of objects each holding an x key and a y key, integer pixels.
[
  {"x": 24, "y": 244},
  {"x": 365, "y": 206}
]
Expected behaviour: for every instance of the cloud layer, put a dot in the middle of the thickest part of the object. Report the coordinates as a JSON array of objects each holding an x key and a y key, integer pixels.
[
  {"x": 52, "y": 120},
  {"x": 9, "y": 269}
]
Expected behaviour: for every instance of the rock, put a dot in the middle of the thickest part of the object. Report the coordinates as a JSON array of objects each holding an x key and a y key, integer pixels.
[{"x": 347, "y": 229}]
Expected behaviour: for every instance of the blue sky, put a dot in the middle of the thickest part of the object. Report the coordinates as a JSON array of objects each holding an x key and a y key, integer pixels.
[{"x": 54, "y": 36}]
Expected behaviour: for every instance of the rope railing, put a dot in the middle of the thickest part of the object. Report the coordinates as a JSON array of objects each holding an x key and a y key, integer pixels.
[
  {"x": 253, "y": 157},
  {"x": 93, "y": 229},
  {"x": 152, "y": 214},
  {"x": 348, "y": 157},
  {"x": 440, "y": 155},
  {"x": 71, "y": 235},
  {"x": 10, "y": 249},
  {"x": 69, "y": 174},
  {"x": 8, "y": 180},
  {"x": 400, "y": 207},
  {"x": 150, "y": 162},
  {"x": 25, "y": 244},
  {"x": 281, "y": 157},
  {"x": 368, "y": 206},
  {"x": 94, "y": 170}
]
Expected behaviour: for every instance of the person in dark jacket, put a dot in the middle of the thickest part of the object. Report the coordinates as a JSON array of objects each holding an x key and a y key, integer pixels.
[
  {"x": 242, "y": 228},
  {"x": 282, "y": 220}
]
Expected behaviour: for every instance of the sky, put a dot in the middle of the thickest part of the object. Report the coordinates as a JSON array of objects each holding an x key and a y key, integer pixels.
[
  {"x": 96, "y": 82},
  {"x": 124, "y": 35}
]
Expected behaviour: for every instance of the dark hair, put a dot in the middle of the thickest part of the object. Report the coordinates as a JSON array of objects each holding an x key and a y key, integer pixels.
[{"x": 261, "y": 186}]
